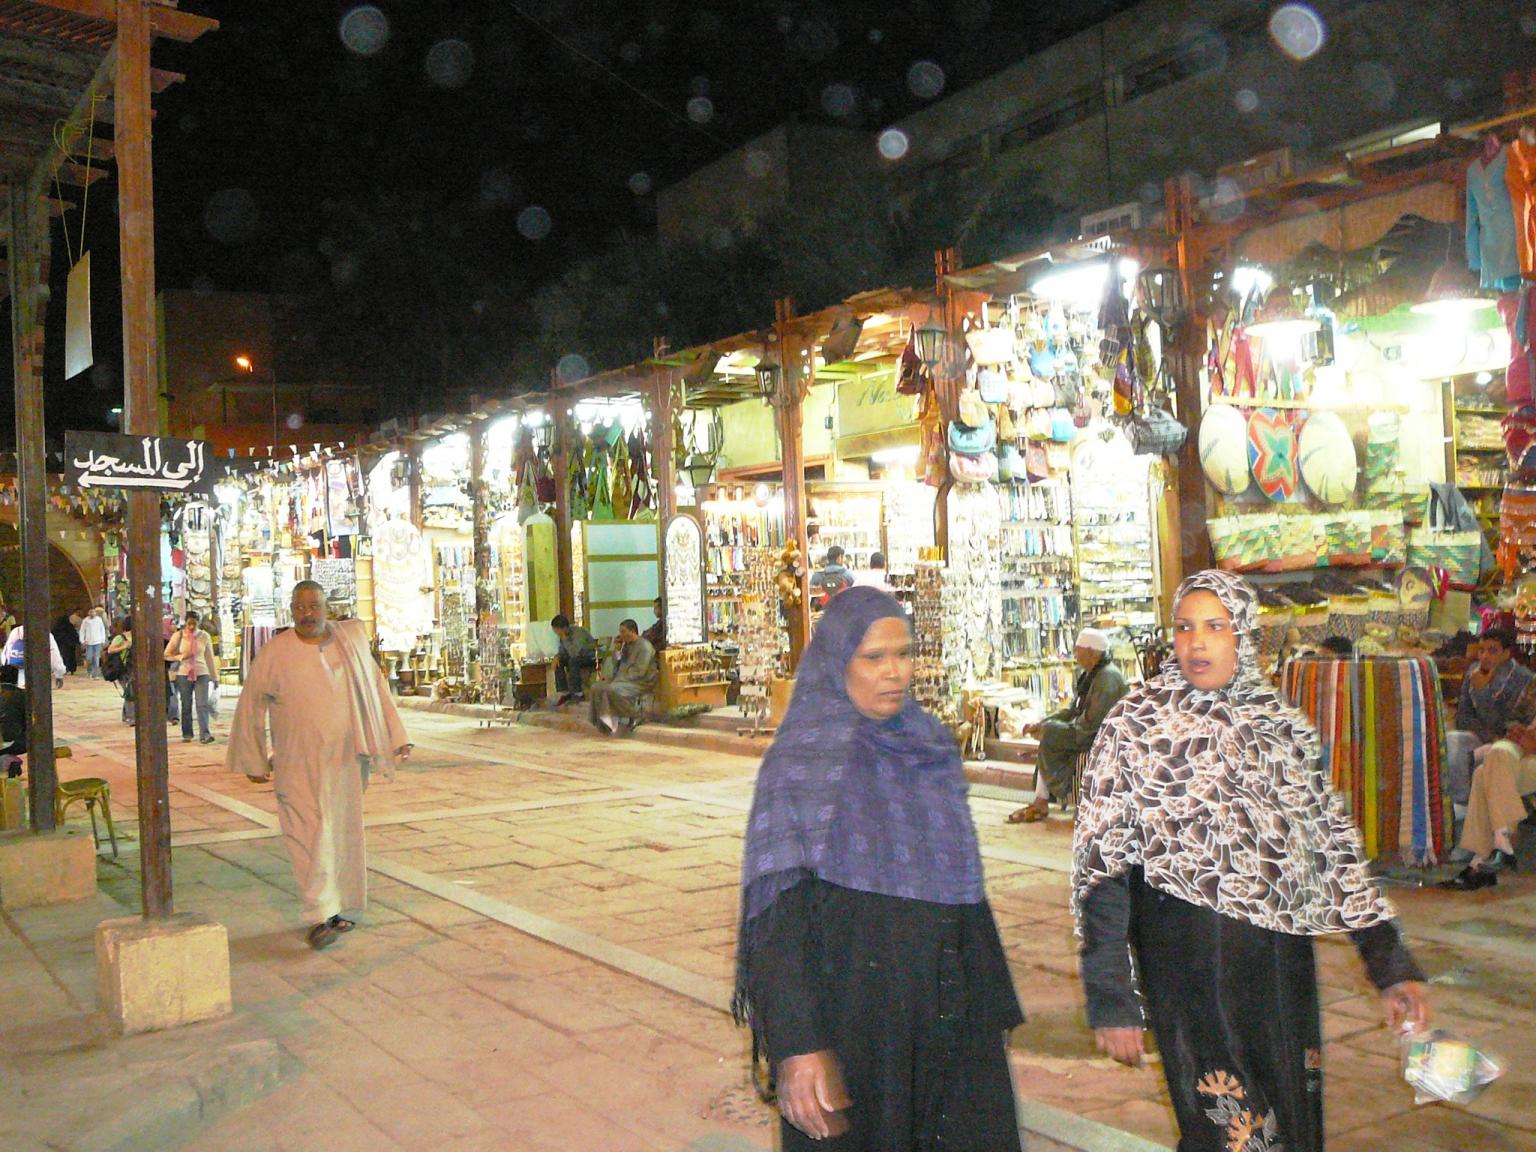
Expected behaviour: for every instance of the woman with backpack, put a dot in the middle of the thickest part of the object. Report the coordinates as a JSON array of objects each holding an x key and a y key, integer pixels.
[{"x": 117, "y": 667}]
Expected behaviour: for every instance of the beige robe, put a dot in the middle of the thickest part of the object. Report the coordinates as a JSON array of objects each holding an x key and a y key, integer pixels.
[{"x": 302, "y": 694}]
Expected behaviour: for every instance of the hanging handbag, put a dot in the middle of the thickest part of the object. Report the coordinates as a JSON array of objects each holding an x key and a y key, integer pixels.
[
  {"x": 911, "y": 380},
  {"x": 966, "y": 440},
  {"x": 972, "y": 409},
  {"x": 1155, "y": 433},
  {"x": 980, "y": 469},
  {"x": 1006, "y": 430},
  {"x": 1037, "y": 462},
  {"x": 992, "y": 384},
  {"x": 990, "y": 346}
]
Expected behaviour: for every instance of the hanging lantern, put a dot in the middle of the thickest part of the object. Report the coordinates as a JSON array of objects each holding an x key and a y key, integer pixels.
[
  {"x": 932, "y": 343},
  {"x": 768, "y": 375}
]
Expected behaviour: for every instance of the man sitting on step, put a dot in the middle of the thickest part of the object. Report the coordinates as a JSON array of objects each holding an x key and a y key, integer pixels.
[{"x": 1069, "y": 733}]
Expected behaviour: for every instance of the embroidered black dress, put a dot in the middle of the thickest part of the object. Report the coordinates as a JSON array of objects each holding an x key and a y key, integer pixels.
[
  {"x": 1234, "y": 1008},
  {"x": 916, "y": 1001}
]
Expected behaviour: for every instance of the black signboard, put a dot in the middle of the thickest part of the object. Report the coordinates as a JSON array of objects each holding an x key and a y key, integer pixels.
[{"x": 158, "y": 463}]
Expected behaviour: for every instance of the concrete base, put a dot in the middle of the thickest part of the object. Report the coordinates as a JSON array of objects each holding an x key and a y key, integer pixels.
[
  {"x": 158, "y": 974},
  {"x": 46, "y": 868}
]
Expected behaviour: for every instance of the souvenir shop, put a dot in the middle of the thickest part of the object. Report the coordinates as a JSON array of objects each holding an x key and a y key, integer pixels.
[
  {"x": 236, "y": 558},
  {"x": 1059, "y": 481},
  {"x": 517, "y": 590},
  {"x": 1359, "y": 394},
  {"x": 859, "y": 447}
]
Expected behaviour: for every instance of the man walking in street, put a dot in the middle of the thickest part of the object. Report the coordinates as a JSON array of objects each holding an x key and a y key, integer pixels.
[
  {"x": 93, "y": 638},
  {"x": 634, "y": 676},
  {"x": 332, "y": 724}
]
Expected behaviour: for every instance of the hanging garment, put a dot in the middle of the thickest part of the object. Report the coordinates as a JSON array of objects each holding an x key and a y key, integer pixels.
[
  {"x": 643, "y": 496},
  {"x": 1520, "y": 179},
  {"x": 1491, "y": 248},
  {"x": 602, "y": 483}
]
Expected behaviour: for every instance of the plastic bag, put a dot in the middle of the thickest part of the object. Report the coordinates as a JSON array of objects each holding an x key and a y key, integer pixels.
[{"x": 1443, "y": 1068}]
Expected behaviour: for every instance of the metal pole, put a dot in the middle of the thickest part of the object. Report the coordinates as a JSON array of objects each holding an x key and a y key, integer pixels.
[
  {"x": 28, "y": 275},
  {"x": 136, "y": 234}
]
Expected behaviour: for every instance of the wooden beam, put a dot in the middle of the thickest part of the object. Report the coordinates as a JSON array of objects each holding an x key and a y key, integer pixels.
[
  {"x": 80, "y": 175},
  {"x": 136, "y": 241},
  {"x": 164, "y": 20},
  {"x": 100, "y": 85},
  {"x": 27, "y": 276}
]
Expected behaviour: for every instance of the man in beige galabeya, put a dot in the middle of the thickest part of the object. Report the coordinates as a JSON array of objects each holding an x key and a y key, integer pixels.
[{"x": 332, "y": 724}]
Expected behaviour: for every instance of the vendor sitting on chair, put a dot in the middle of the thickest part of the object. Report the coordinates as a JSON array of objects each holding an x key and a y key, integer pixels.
[
  {"x": 1069, "y": 733},
  {"x": 620, "y": 697}
]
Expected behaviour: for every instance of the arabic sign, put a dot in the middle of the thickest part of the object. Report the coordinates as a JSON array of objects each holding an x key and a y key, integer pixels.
[{"x": 106, "y": 460}]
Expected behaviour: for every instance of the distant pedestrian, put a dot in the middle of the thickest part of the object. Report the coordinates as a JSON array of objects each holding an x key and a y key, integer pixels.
[
  {"x": 197, "y": 670},
  {"x": 93, "y": 638},
  {"x": 15, "y": 646},
  {"x": 66, "y": 634},
  {"x": 868, "y": 962},
  {"x": 316, "y": 689},
  {"x": 118, "y": 666},
  {"x": 874, "y": 575}
]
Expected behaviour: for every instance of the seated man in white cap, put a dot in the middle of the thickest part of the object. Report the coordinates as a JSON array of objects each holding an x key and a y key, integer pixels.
[{"x": 1069, "y": 733}]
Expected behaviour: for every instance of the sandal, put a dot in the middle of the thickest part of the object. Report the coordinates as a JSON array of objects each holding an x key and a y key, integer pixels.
[
  {"x": 341, "y": 923},
  {"x": 323, "y": 935},
  {"x": 1028, "y": 814}
]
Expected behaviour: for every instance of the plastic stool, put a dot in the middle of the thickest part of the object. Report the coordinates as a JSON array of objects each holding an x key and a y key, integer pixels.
[{"x": 89, "y": 789}]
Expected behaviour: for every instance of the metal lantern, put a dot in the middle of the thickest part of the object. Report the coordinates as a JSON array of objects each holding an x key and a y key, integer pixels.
[{"x": 932, "y": 343}]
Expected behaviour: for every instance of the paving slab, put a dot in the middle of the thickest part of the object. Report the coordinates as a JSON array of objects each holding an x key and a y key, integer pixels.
[{"x": 547, "y": 954}]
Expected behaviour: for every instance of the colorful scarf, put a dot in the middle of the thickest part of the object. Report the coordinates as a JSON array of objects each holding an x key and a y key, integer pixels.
[
  {"x": 876, "y": 806},
  {"x": 1218, "y": 798}
]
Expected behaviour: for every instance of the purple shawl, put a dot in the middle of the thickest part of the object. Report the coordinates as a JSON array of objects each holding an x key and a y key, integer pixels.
[{"x": 877, "y": 806}]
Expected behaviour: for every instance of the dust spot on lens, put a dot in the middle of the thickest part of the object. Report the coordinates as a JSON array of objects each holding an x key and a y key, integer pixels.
[
  {"x": 364, "y": 30},
  {"x": 450, "y": 63},
  {"x": 534, "y": 223},
  {"x": 1297, "y": 31}
]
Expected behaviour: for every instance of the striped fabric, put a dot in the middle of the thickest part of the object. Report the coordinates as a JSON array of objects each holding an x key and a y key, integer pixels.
[{"x": 1382, "y": 725}]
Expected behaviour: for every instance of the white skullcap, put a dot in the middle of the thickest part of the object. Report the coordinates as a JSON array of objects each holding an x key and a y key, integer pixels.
[{"x": 1093, "y": 638}]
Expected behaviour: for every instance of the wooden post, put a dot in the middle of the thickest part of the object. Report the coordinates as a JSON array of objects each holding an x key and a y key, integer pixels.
[
  {"x": 136, "y": 237},
  {"x": 413, "y": 480},
  {"x": 561, "y": 431},
  {"x": 795, "y": 379},
  {"x": 663, "y": 464},
  {"x": 28, "y": 276},
  {"x": 1186, "y": 358},
  {"x": 487, "y": 646}
]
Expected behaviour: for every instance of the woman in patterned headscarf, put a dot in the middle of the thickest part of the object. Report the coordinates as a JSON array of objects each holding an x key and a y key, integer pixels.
[
  {"x": 1208, "y": 841},
  {"x": 868, "y": 963}
]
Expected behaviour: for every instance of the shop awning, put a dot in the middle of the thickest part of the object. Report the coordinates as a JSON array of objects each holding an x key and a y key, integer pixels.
[{"x": 1352, "y": 226}]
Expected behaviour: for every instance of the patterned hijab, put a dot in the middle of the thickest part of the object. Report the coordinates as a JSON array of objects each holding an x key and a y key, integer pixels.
[
  {"x": 874, "y": 805},
  {"x": 1217, "y": 796}
]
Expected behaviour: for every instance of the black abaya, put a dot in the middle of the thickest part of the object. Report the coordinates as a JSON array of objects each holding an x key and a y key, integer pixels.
[
  {"x": 915, "y": 1000},
  {"x": 1234, "y": 1008}
]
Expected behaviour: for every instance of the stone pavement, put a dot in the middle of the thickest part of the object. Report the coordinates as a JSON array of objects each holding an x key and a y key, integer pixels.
[{"x": 546, "y": 960}]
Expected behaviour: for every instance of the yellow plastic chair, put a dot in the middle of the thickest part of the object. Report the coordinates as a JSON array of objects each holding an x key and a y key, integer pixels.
[{"x": 90, "y": 789}]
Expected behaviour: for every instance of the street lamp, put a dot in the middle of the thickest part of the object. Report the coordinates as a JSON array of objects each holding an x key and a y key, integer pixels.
[{"x": 246, "y": 365}]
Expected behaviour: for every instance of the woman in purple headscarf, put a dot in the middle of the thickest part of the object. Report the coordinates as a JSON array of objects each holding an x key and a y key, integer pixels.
[{"x": 868, "y": 964}]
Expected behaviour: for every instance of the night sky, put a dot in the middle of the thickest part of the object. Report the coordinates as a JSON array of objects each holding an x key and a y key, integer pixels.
[{"x": 534, "y": 133}]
